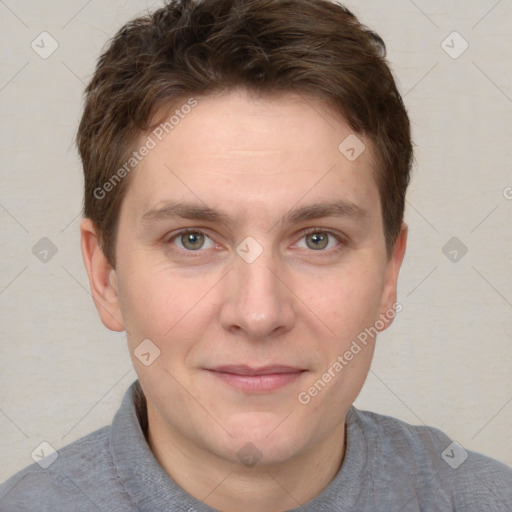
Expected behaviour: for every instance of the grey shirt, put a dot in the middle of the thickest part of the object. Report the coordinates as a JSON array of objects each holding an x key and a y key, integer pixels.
[{"x": 388, "y": 466}]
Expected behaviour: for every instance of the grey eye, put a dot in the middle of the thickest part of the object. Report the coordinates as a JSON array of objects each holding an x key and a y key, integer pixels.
[
  {"x": 193, "y": 240},
  {"x": 317, "y": 240}
]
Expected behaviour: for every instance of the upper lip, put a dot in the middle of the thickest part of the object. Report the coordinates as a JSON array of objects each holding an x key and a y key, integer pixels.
[{"x": 263, "y": 370}]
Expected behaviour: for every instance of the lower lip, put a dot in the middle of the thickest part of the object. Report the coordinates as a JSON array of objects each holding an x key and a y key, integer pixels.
[{"x": 257, "y": 383}]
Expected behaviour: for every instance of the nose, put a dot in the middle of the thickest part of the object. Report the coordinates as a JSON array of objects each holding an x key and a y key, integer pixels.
[{"x": 258, "y": 302}]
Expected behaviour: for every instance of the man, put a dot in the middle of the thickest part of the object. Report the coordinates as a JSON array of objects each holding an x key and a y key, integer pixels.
[{"x": 246, "y": 164}]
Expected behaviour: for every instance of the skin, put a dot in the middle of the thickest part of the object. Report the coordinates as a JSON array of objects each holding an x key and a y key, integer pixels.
[{"x": 296, "y": 304}]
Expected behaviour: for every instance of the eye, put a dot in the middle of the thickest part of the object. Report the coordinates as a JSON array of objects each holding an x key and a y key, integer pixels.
[
  {"x": 318, "y": 240},
  {"x": 192, "y": 240}
]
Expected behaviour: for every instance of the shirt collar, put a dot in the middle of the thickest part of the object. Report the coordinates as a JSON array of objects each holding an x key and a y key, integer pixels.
[{"x": 143, "y": 478}]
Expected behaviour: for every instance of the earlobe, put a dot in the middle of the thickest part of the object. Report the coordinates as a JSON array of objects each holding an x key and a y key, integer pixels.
[{"x": 102, "y": 278}]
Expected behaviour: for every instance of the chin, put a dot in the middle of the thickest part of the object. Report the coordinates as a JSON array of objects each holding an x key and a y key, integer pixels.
[{"x": 269, "y": 438}]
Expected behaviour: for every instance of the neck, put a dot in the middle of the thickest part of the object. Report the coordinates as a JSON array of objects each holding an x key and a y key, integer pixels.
[{"x": 231, "y": 486}]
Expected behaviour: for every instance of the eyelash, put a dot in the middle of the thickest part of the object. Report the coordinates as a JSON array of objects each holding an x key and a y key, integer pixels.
[{"x": 191, "y": 254}]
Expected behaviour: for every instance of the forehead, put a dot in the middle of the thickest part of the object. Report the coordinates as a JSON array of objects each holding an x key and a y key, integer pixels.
[{"x": 260, "y": 151}]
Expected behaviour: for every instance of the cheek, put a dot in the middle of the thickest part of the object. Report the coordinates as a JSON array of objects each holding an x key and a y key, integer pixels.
[
  {"x": 156, "y": 302},
  {"x": 347, "y": 299},
  {"x": 171, "y": 309}
]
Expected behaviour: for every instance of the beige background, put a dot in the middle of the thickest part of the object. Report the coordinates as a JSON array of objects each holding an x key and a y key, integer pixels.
[{"x": 446, "y": 360}]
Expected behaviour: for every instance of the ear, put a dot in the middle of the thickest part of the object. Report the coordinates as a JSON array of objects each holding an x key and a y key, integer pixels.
[
  {"x": 392, "y": 270},
  {"x": 102, "y": 278}
]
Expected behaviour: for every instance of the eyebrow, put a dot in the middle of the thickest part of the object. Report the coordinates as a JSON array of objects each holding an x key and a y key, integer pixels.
[{"x": 185, "y": 210}]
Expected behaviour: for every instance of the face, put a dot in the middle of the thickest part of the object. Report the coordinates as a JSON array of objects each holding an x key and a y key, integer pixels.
[{"x": 251, "y": 254}]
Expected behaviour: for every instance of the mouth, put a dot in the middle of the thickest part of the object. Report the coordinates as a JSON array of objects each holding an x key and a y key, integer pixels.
[{"x": 256, "y": 380}]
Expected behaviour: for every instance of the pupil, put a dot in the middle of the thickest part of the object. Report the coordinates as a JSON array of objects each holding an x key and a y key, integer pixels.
[
  {"x": 318, "y": 239},
  {"x": 193, "y": 240}
]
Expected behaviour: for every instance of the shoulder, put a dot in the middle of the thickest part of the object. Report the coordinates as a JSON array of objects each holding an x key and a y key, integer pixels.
[
  {"x": 76, "y": 480},
  {"x": 468, "y": 480}
]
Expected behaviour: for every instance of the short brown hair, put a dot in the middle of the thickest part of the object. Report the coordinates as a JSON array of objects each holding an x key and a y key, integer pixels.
[{"x": 200, "y": 47}]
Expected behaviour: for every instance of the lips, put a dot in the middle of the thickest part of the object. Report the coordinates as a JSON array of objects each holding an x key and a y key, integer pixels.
[
  {"x": 264, "y": 370},
  {"x": 256, "y": 380}
]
